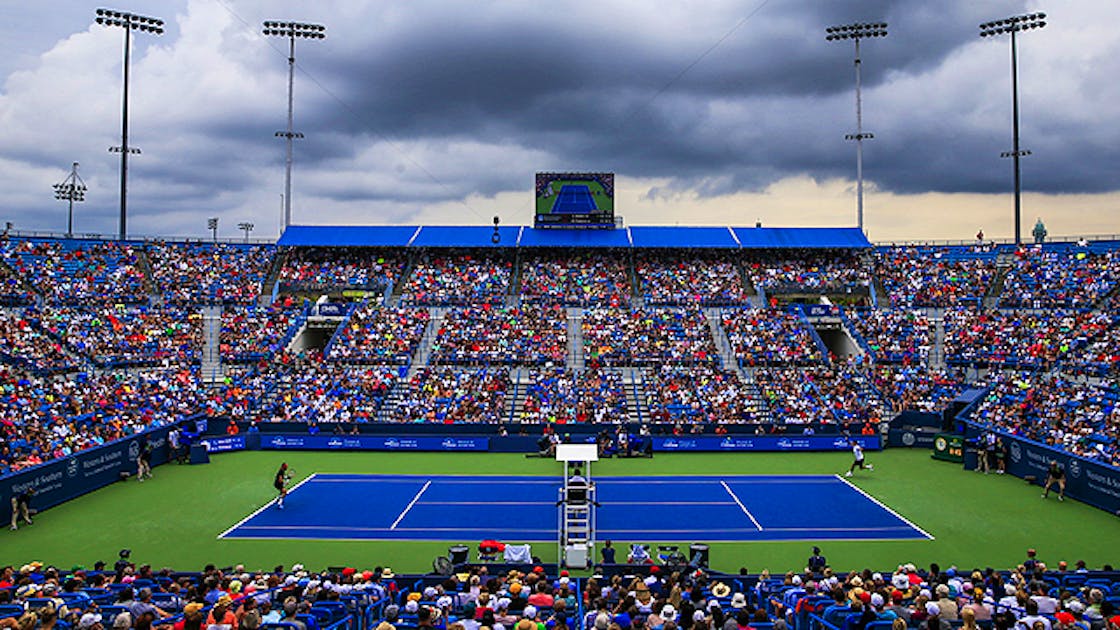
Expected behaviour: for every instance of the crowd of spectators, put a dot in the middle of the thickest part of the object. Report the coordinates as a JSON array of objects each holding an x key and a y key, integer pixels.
[
  {"x": 701, "y": 395},
  {"x": 915, "y": 276},
  {"x": 378, "y": 335},
  {"x": 896, "y": 335},
  {"x": 559, "y": 396},
  {"x": 1099, "y": 356},
  {"x": 690, "y": 279},
  {"x": 770, "y": 337},
  {"x": 496, "y": 335},
  {"x": 24, "y": 343},
  {"x": 189, "y": 273},
  {"x": 1018, "y": 339},
  {"x": 43, "y": 419},
  {"x": 250, "y": 333},
  {"x": 1078, "y": 417},
  {"x": 575, "y": 279},
  {"x": 840, "y": 394},
  {"x": 647, "y": 336},
  {"x": 1030, "y": 596},
  {"x": 120, "y": 335},
  {"x": 916, "y": 387},
  {"x": 308, "y": 389},
  {"x": 72, "y": 272},
  {"x": 1068, "y": 278},
  {"x": 12, "y": 290},
  {"x": 448, "y": 395},
  {"x": 465, "y": 279},
  {"x": 806, "y": 270},
  {"x": 319, "y": 268}
]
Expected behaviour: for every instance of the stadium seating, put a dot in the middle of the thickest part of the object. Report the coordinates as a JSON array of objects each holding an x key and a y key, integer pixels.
[{"x": 656, "y": 335}]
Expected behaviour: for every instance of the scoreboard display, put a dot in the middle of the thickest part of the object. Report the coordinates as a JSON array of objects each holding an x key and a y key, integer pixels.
[{"x": 575, "y": 200}]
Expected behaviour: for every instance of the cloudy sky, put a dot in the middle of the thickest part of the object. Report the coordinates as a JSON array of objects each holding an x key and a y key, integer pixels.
[{"x": 429, "y": 111}]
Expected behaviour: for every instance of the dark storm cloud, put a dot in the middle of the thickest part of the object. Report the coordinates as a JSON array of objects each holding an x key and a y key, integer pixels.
[{"x": 615, "y": 99}]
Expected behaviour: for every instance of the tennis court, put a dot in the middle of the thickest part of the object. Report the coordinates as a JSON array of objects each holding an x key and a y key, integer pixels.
[
  {"x": 660, "y": 509},
  {"x": 574, "y": 199}
]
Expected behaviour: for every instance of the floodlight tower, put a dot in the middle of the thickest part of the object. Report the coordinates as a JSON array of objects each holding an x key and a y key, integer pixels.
[
  {"x": 1013, "y": 25},
  {"x": 129, "y": 22},
  {"x": 291, "y": 30},
  {"x": 246, "y": 226},
  {"x": 71, "y": 189},
  {"x": 856, "y": 32}
]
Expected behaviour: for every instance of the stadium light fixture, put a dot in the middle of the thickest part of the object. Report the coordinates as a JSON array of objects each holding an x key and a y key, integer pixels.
[
  {"x": 246, "y": 227},
  {"x": 212, "y": 225},
  {"x": 292, "y": 31},
  {"x": 71, "y": 189},
  {"x": 1013, "y": 25},
  {"x": 129, "y": 22},
  {"x": 855, "y": 32}
]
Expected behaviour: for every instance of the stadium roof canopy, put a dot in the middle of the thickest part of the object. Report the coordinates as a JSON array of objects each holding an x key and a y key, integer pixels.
[
  {"x": 756, "y": 238},
  {"x": 638, "y": 237}
]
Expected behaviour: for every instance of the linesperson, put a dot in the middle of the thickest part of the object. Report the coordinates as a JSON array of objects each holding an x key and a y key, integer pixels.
[
  {"x": 283, "y": 477},
  {"x": 857, "y": 453}
]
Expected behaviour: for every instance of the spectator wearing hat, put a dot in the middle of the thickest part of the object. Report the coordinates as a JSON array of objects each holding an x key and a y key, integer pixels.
[
  {"x": 933, "y": 619},
  {"x": 947, "y": 606},
  {"x": 192, "y": 618},
  {"x": 221, "y": 615},
  {"x": 90, "y": 621}
]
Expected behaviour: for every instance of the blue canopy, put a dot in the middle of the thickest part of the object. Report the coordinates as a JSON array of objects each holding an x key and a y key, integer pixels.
[
  {"x": 532, "y": 237},
  {"x": 348, "y": 235},
  {"x": 678, "y": 237},
  {"x": 800, "y": 237},
  {"x": 638, "y": 237},
  {"x": 464, "y": 236}
]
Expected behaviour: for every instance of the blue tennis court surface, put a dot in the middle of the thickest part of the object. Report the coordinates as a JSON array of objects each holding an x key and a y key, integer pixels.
[
  {"x": 659, "y": 509},
  {"x": 574, "y": 199}
]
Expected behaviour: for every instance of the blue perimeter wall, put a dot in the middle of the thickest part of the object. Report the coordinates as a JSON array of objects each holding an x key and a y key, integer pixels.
[{"x": 1086, "y": 480}]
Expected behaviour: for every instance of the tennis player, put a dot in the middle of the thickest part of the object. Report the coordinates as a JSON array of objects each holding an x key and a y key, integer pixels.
[
  {"x": 283, "y": 477},
  {"x": 857, "y": 453}
]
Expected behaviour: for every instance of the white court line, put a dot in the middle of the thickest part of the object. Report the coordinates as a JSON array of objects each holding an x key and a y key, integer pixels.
[
  {"x": 880, "y": 504},
  {"x": 553, "y": 503},
  {"x": 741, "y": 506},
  {"x": 409, "y": 507},
  {"x": 264, "y": 507}
]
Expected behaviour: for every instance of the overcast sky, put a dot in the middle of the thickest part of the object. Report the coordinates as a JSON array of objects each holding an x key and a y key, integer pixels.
[{"x": 430, "y": 111}]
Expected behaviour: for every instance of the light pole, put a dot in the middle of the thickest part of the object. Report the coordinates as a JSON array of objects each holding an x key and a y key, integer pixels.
[
  {"x": 1014, "y": 25},
  {"x": 291, "y": 30},
  {"x": 246, "y": 227},
  {"x": 71, "y": 189},
  {"x": 856, "y": 32},
  {"x": 212, "y": 225},
  {"x": 127, "y": 21}
]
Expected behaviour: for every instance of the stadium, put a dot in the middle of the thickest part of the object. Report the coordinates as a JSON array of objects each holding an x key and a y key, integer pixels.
[{"x": 557, "y": 422}]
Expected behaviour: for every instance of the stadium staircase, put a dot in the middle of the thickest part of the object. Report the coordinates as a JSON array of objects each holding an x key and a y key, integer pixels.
[
  {"x": 636, "y": 299},
  {"x": 758, "y": 300},
  {"x": 155, "y": 296},
  {"x": 23, "y": 282},
  {"x": 268, "y": 287},
  {"x": 399, "y": 286},
  {"x": 424, "y": 349},
  {"x": 1003, "y": 264},
  {"x": 634, "y": 386},
  {"x": 389, "y": 411},
  {"x": 727, "y": 359},
  {"x": 575, "y": 361},
  {"x": 513, "y": 298},
  {"x": 1104, "y": 300},
  {"x": 937, "y": 352},
  {"x": 211, "y": 344},
  {"x": 519, "y": 381}
]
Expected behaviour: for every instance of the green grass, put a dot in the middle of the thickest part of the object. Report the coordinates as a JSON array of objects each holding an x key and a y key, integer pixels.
[{"x": 174, "y": 519}]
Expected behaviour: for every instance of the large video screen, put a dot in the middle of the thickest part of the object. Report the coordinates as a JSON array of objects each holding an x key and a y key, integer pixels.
[{"x": 575, "y": 200}]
